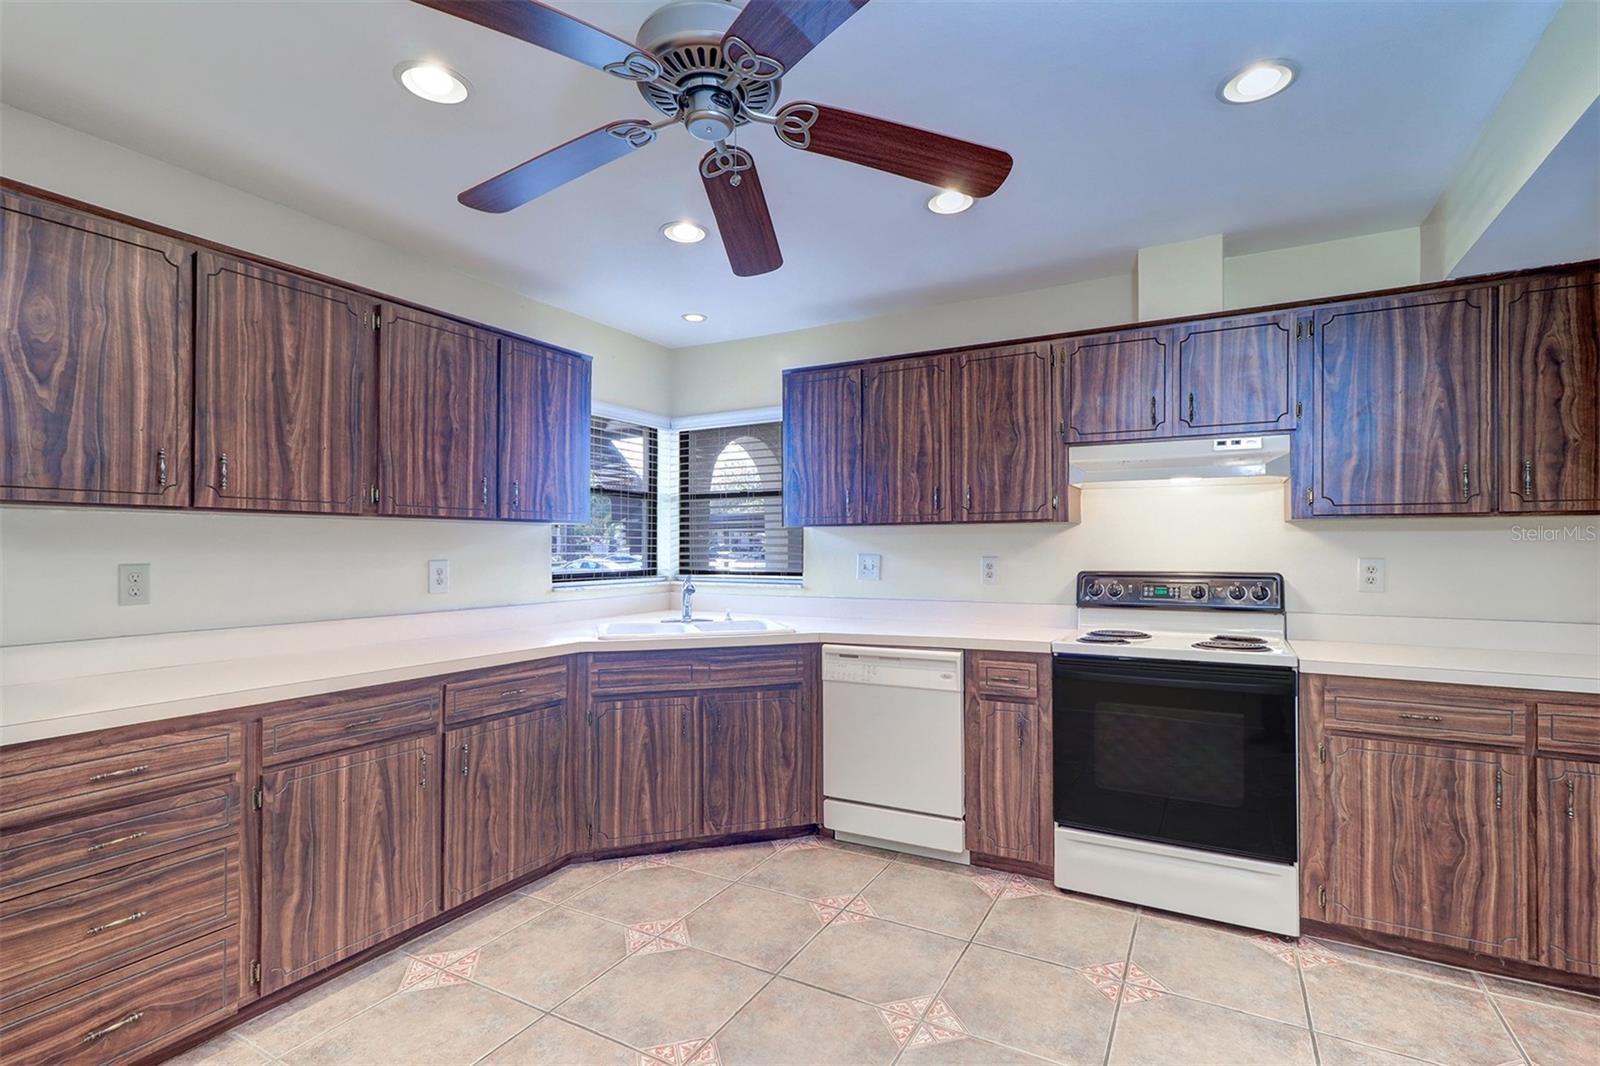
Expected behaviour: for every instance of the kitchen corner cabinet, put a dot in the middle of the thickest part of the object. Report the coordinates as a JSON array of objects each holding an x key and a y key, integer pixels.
[
  {"x": 1234, "y": 375},
  {"x": 1116, "y": 386},
  {"x": 284, "y": 372},
  {"x": 439, "y": 410},
  {"x": 822, "y": 446},
  {"x": 544, "y": 433},
  {"x": 1397, "y": 395},
  {"x": 644, "y": 783},
  {"x": 1549, "y": 394},
  {"x": 1009, "y": 462},
  {"x": 1009, "y": 757},
  {"x": 96, "y": 359},
  {"x": 349, "y": 854},
  {"x": 905, "y": 430}
]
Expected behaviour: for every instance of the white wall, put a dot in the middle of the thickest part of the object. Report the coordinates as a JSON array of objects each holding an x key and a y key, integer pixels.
[{"x": 58, "y": 565}]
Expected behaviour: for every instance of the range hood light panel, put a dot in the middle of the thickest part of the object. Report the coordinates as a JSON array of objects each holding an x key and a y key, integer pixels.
[{"x": 1181, "y": 461}]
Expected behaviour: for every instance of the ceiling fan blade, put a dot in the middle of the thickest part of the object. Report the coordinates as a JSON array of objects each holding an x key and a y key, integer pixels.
[
  {"x": 904, "y": 150},
  {"x": 783, "y": 31},
  {"x": 559, "y": 165},
  {"x": 741, "y": 211},
  {"x": 545, "y": 26}
]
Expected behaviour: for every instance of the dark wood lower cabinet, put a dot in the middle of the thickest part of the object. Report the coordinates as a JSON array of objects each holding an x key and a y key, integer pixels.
[
  {"x": 1568, "y": 801},
  {"x": 1009, "y": 755},
  {"x": 349, "y": 855},
  {"x": 756, "y": 761},
  {"x": 643, "y": 777},
  {"x": 505, "y": 800}
]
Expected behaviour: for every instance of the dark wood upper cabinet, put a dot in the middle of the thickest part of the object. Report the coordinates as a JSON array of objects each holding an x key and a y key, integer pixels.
[
  {"x": 1397, "y": 396},
  {"x": 284, "y": 371},
  {"x": 96, "y": 359},
  {"x": 822, "y": 446},
  {"x": 349, "y": 855},
  {"x": 1549, "y": 396},
  {"x": 1568, "y": 804},
  {"x": 905, "y": 431},
  {"x": 756, "y": 761},
  {"x": 439, "y": 411},
  {"x": 544, "y": 433},
  {"x": 505, "y": 800},
  {"x": 1117, "y": 386},
  {"x": 644, "y": 781},
  {"x": 1003, "y": 425},
  {"x": 1235, "y": 375}
]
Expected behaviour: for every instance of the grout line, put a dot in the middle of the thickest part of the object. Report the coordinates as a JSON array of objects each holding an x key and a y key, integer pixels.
[
  {"x": 1305, "y": 998},
  {"x": 541, "y": 1017},
  {"x": 1116, "y": 1006},
  {"x": 1515, "y": 1042}
]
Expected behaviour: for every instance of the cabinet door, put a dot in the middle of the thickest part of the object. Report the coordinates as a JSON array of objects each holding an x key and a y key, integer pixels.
[
  {"x": 1005, "y": 805},
  {"x": 905, "y": 420},
  {"x": 1117, "y": 386},
  {"x": 349, "y": 855},
  {"x": 1550, "y": 394},
  {"x": 1399, "y": 407},
  {"x": 1569, "y": 864},
  {"x": 439, "y": 408},
  {"x": 95, "y": 359},
  {"x": 822, "y": 447},
  {"x": 1006, "y": 435},
  {"x": 755, "y": 761},
  {"x": 644, "y": 775},
  {"x": 505, "y": 804},
  {"x": 1425, "y": 841},
  {"x": 1235, "y": 375},
  {"x": 283, "y": 376},
  {"x": 544, "y": 433}
]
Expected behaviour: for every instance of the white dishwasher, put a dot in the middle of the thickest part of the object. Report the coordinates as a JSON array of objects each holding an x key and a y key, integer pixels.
[{"x": 891, "y": 748}]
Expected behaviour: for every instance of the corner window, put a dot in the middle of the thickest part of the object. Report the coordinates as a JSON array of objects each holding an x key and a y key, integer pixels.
[
  {"x": 730, "y": 507},
  {"x": 619, "y": 540}
]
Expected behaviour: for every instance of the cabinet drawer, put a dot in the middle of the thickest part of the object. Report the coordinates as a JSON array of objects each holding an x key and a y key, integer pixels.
[
  {"x": 749, "y": 667},
  {"x": 323, "y": 724},
  {"x": 56, "y": 777},
  {"x": 62, "y": 935},
  {"x": 510, "y": 690},
  {"x": 132, "y": 1012},
  {"x": 1398, "y": 713},
  {"x": 1006, "y": 677},
  {"x": 36, "y": 858},
  {"x": 649, "y": 672},
  {"x": 714, "y": 668},
  {"x": 1570, "y": 727}
]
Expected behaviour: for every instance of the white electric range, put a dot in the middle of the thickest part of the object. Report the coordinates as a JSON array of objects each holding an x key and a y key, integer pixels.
[{"x": 1175, "y": 746}]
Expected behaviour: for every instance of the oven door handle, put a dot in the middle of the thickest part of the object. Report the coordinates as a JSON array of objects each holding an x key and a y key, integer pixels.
[{"x": 1167, "y": 674}]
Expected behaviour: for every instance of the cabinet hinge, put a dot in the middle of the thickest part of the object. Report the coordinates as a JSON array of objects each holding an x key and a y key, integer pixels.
[
  {"x": 1322, "y": 896},
  {"x": 1299, "y": 408},
  {"x": 1311, "y": 328},
  {"x": 1300, "y": 329},
  {"x": 1055, "y": 501},
  {"x": 256, "y": 797},
  {"x": 1322, "y": 753},
  {"x": 374, "y": 494},
  {"x": 1308, "y": 497},
  {"x": 255, "y": 972}
]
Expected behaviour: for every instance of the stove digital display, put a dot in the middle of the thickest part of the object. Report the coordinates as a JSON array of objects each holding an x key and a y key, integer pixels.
[{"x": 1160, "y": 592}]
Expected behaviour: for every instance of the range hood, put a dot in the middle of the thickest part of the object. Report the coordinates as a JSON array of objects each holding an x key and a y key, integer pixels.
[{"x": 1264, "y": 455}]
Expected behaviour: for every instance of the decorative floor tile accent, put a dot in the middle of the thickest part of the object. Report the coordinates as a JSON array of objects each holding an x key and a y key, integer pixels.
[
  {"x": 1312, "y": 956},
  {"x": 649, "y": 937},
  {"x": 796, "y": 844},
  {"x": 845, "y": 908},
  {"x": 440, "y": 969},
  {"x": 1279, "y": 947},
  {"x": 683, "y": 1053},
  {"x": 641, "y": 862},
  {"x": 1132, "y": 983},
  {"x": 921, "y": 1021},
  {"x": 1007, "y": 886}
]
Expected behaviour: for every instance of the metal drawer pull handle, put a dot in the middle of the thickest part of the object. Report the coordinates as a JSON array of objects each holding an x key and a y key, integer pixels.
[
  {"x": 161, "y": 467},
  {"x": 1191, "y": 408},
  {"x": 134, "y": 917},
  {"x": 483, "y": 493},
  {"x": 1572, "y": 800},
  {"x": 516, "y": 494},
  {"x": 1421, "y": 717},
  {"x": 364, "y": 722},
  {"x": 1527, "y": 479},
  {"x": 222, "y": 471},
  {"x": 464, "y": 753},
  {"x": 116, "y": 840},
  {"x": 96, "y": 1034},
  {"x": 129, "y": 772},
  {"x": 1152, "y": 412},
  {"x": 512, "y": 692}
]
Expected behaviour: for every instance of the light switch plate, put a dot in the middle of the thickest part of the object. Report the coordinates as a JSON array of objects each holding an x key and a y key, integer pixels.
[
  {"x": 989, "y": 569},
  {"x": 133, "y": 584},
  {"x": 438, "y": 577},
  {"x": 1371, "y": 575},
  {"x": 869, "y": 566}
]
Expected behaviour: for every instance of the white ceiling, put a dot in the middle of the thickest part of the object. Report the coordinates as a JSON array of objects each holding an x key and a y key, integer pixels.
[{"x": 1108, "y": 108}]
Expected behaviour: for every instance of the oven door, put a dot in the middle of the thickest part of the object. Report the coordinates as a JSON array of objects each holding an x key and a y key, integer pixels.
[{"x": 1191, "y": 754}]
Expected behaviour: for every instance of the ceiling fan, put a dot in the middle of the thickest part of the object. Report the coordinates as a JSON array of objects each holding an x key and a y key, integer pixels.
[{"x": 714, "y": 66}]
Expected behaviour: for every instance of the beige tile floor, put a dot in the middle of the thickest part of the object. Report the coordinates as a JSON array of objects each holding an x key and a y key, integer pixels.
[{"x": 809, "y": 951}]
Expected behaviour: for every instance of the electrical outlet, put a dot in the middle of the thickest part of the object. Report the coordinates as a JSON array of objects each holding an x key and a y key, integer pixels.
[
  {"x": 869, "y": 566},
  {"x": 438, "y": 577},
  {"x": 1371, "y": 575},
  {"x": 989, "y": 569},
  {"x": 133, "y": 584}
]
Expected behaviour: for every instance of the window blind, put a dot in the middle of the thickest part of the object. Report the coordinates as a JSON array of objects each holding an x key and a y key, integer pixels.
[
  {"x": 619, "y": 540},
  {"x": 730, "y": 505}
]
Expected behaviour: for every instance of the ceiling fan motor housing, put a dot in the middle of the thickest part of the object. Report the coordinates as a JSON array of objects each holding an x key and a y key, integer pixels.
[{"x": 686, "y": 35}]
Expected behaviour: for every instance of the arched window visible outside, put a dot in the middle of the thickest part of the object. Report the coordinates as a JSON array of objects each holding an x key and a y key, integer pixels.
[{"x": 731, "y": 503}]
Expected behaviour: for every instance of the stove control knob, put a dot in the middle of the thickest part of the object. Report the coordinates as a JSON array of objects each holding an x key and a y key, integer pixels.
[
  {"x": 1198, "y": 592},
  {"x": 1093, "y": 590},
  {"x": 1235, "y": 592},
  {"x": 1115, "y": 590},
  {"x": 1260, "y": 592}
]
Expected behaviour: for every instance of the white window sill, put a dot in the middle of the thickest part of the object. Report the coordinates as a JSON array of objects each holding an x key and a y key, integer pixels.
[
  {"x": 704, "y": 580},
  {"x": 597, "y": 584}
]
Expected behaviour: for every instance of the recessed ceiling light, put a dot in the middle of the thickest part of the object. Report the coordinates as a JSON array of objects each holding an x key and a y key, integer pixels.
[
  {"x": 683, "y": 232},
  {"x": 694, "y": 316},
  {"x": 1257, "y": 82},
  {"x": 949, "y": 202},
  {"x": 433, "y": 82}
]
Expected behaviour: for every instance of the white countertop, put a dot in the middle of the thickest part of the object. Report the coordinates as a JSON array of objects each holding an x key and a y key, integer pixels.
[{"x": 1546, "y": 670}]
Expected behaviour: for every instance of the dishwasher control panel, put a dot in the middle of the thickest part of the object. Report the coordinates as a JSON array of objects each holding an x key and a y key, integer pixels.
[{"x": 893, "y": 667}]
